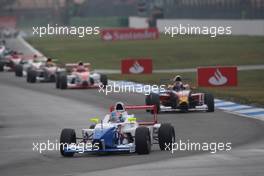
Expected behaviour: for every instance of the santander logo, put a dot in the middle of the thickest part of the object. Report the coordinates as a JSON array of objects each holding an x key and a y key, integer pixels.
[
  {"x": 136, "y": 68},
  {"x": 218, "y": 79},
  {"x": 107, "y": 36}
]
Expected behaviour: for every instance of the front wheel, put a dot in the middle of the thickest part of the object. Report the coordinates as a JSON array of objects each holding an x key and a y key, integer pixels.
[
  {"x": 63, "y": 82},
  {"x": 68, "y": 136},
  {"x": 1, "y": 66},
  {"x": 32, "y": 76},
  {"x": 57, "y": 82},
  {"x": 19, "y": 70},
  {"x": 209, "y": 101},
  {"x": 142, "y": 140},
  {"x": 104, "y": 80}
]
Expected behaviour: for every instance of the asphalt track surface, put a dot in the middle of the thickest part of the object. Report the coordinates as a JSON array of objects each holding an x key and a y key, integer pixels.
[{"x": 38, "y": 112}]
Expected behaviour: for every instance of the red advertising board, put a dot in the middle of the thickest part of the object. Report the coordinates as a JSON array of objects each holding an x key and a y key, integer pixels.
[
  {"x": 136, "y": 66},
  {"x": 8, "y": 22},
  {"x": 129, "y": 34},
  {"x": 217, "y": 76}
]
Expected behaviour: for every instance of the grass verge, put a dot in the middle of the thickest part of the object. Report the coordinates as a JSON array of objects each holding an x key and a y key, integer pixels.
[
  {"x": 169, "y": 53},
  {"x": 180, "y": 52}
]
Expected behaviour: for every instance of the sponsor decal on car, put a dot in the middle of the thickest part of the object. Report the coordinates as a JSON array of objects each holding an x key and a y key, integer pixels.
[
  {"x": 136, "y": 66},
  {"x": 216, "y": 76},
  {"x": 129, "y": 34}
]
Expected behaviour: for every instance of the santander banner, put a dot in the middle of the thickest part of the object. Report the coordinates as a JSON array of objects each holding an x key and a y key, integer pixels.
[
  {"x": 217, "y": 76},
  {"x": 136, "y": 66},
  {"x": 129, "y": 34}
]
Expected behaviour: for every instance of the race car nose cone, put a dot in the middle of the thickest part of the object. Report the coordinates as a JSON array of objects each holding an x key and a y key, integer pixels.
[{"x": 183, "y": 100}]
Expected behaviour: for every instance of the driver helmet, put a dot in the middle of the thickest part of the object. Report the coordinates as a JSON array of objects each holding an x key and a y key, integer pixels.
[
  {"x": 80, "y": 63},
  {"x": 35, "y": 56},
  {"x": 49, "y": 60},
  {"x": 177, "y": 78},
  {"x": 120, "y": 107}
]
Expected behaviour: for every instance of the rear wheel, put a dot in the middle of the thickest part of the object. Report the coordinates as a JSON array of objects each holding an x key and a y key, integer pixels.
[
  {"x": 19, "y": 70},
  {"x": 166, "y": 135},
  {"x": 103, "y": 79},
  {"x": 32, "y": 76},
  {"x": 148, "y": 101},
  {"x": 52, "y": 78},
  {"x": 153, "y": 99},
  {"x": 92, "y": 126},
  {"x": 91, "y": 81},
  {"x": 1, "y": 66},
  {"x": 63, "y": 81},
  {"x": 209, "y": 101},
  {"x": 142, "y": 140},
  {"x": 58, "y": 81},
  {"x": 68, "y": 136},
  {"x": 28, "y": 75}
]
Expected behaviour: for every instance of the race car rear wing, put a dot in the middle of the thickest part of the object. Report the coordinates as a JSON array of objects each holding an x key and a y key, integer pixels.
[
  {"x": 34, "y": 57},
  {"x": 70, "y": 66},
  {"x": 152, "y": 108},
  {"x": 75, "y": 65}
]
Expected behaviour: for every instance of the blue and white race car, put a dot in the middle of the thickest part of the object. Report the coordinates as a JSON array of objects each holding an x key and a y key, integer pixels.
[{"x": 118, "y": 132}]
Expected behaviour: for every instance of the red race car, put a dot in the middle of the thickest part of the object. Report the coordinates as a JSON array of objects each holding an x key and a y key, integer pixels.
[
  {"x": 9, "y": 60},
  {"x": 182, "y": 99}
]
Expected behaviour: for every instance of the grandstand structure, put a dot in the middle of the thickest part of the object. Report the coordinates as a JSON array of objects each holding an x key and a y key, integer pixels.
[{"x": 61, "y": 11}]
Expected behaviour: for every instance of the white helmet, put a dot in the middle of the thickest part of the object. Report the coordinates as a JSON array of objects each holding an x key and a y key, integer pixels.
[
  {"x": 120, "y": 107},
  {"x": 177, "y": 78}
]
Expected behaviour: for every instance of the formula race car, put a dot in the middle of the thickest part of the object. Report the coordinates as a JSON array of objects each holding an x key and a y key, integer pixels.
[
  {"x": 76, "y": 76},
  {"x": 182, "y": 100},
  {"x": 118, "y": 132},
  {"x": 27, "y": 62},
  {"x": 41, "y": 71},
  {"x": 9, "y": 59},
  {"x": 8, "y": 32}
]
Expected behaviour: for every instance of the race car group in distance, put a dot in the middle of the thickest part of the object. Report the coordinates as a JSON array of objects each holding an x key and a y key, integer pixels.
[
  {"x": 9, "y": 58},
  {"x": 19, "y": 63},
  {"x": 42, "y": 69},
  {"x": 180, "y": 97},
  {"x": 119, "y": 131}
]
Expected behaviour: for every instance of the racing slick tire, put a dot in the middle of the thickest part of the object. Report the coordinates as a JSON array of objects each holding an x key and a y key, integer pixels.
[
  {"x": 57, "y": 79},
  {"x": 153, "y": 99},
  {"x": 28, "y": 76},
  {"x": 104, "y": 79},
  {"x": 1, "y": 66},
  {"x": 148, "y": 102},
  {"x": 166, "y": 136},
  {"x": 91, "y": 81},
  {"x": 32, "y": 76},
  {"x": 142, "y": 140},
  {"x": 92, "y": 126},
  {"x": 19, "y": 70},
  {"x": 58, "y": 82},
  {"x": 63, "y": 81},
  {"x": 209, "y": 101},
  {"x": 68, "y": 136},
  {"x": 52, "y": 78}
]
